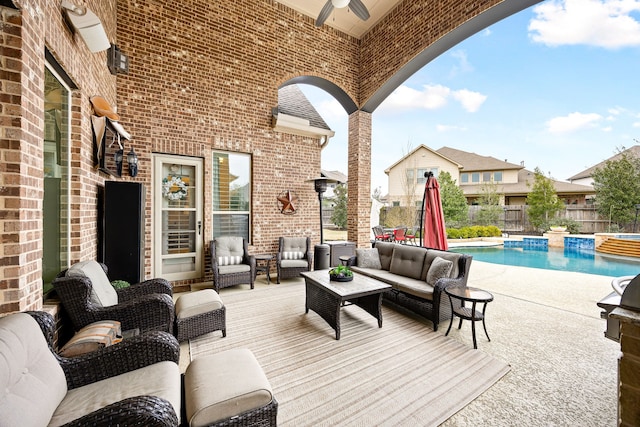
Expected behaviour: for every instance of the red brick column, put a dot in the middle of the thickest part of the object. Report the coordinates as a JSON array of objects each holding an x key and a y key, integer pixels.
[{"x": 359, "y": 191}]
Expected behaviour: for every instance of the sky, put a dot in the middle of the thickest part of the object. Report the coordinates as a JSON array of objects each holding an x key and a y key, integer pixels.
[{"x": 556, "y": 86}]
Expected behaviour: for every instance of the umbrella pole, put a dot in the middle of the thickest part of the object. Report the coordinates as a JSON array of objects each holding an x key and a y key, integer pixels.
[{"x": 424, "y": 201}]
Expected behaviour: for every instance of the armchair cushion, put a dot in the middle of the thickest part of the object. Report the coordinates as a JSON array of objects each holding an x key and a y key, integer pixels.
[
  {"x": 229, "y": 247},
  {"x": 292, "y": 255},
  {"x": 294, "y": 245},
  {"x": 160, "y": 379},
  {"x": 229, "y": 260},
  {"x": 31, "y": 370},
  {"x": 103, "y": 293}
]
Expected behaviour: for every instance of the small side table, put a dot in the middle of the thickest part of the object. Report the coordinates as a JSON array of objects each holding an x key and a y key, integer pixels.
[
  {"x": 264, "y": 268},
  {"x": 344, "y": 259},
  {"x": 474, "y": 296}
]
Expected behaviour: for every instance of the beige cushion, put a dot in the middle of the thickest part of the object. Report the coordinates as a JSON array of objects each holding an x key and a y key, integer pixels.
[
  {"x": 294, "y": 244},
  {"x": 102, "y": 293},
  {"x": 222, "y": 385},
  {"x": 294, "y": 263},
  {"x": 407, "y": 261},
  {"x": 229, "y": 246},
  {"x": 31, "y": 379},
  {"x": 440, "y": 268},
  {"x": 160, "y": 379},
  {"x": 449, "y": 256},
  {"x": 200, "y": 302},
  {"x": 236, "y": 268},
  {"x": 229, "y": 260},
  {"x": 385, "y": 252},
  {"x": 368, "y": 258}
]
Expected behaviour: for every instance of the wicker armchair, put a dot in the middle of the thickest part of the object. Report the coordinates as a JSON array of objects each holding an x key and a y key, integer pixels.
[
  {"x": 231, "y": 263},
  {"x": 294, "y": 256},
  {"x": 87, "y": 296},
  {"x": 61, "y": 390}
]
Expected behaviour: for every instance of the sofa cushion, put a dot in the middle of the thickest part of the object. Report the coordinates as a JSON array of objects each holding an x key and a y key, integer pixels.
[
  {"x": 229, "y": 247},
  {"x": 32, "y": 381},
  {"x": 440, "y": 268},
  {"x": 449, "y": 256},
  {"x": 102, "y": 292},
  {"x": 385, "y": 252},
  {"x": 368, "y": 258},
  {"x": 407, "y": 261},
  {"x": 160, "y": 379},
  {"x": 93, "y": 337}
]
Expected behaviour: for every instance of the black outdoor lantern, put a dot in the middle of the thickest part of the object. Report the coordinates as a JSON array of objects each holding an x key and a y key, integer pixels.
[
  {"x": 118, "y": 156},
  {"x": 132, "y": 159}
]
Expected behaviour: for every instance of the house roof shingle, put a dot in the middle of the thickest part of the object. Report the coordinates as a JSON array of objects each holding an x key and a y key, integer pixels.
[
  {"x": 476, "y": 162},
  {"x": 587, "y": 173}
]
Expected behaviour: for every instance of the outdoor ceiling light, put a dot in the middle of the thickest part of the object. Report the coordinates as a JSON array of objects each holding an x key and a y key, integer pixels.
[
  {"x": 88, "y": 26},
  {"x": 339, "y": 4}
]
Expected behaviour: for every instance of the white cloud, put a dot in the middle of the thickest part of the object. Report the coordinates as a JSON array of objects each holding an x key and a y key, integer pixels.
[
  {"x": 471, "y": 101},
  {"x": 463, "y": 65},
  {"x": 449, "y": 128},
  {"x": 636, "y": 124},
  {"x": 603, "y": 23},
  {"x": 572, "y": 122},
  {"x": 431, "y": 97}
]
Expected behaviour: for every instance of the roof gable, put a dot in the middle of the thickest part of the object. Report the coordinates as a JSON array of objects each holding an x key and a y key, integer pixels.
[{"x": 475, "y": 162}]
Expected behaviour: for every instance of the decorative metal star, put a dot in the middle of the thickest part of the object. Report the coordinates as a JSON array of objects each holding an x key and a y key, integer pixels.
[{"x": 288, "y": 199}]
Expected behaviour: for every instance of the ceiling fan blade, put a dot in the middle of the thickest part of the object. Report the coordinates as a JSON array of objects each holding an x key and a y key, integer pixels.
[
  {"x": 324, "y": 13},
  {"x": 359, "y": 9}
]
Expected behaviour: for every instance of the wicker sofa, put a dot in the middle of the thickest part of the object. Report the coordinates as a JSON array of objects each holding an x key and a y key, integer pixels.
[
  {"x": 134, "y": 382},
  {"x": 417, "y": 275}
]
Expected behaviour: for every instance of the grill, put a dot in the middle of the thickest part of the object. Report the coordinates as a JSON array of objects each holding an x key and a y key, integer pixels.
[{"x": 626, "y": 294}]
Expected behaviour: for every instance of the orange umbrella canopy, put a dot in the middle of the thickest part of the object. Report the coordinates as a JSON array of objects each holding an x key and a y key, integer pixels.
[{"x": 434, "y": 234}]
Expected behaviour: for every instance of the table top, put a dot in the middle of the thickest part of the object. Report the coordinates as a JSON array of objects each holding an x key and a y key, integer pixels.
[
  {"x": 469, "y": 293},
  {"x": 360, "y": 285},
  {"x": 263, "y": 257}
]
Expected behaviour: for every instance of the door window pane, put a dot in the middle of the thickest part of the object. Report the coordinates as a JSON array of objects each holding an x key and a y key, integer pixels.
[{"x": 231, "y": 197}]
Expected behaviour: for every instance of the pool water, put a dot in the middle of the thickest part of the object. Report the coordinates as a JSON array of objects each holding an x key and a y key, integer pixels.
[{"x": 582, "y": 261}]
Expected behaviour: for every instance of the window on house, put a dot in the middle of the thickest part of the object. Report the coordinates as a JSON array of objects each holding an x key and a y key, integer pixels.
[
  {"x": 409, "y": 176},
  {"x": 475, "y": 177},
  {"x": 421, "y": 179},
  {"x": 395, "y": 203},
  {"x": 486, "y": 176},
  {"x": 55, "y": 205},
  {"x": 497, "y": 176},
  {"x": 464, "y": 178},
  {"x": 231, "y": 197}
]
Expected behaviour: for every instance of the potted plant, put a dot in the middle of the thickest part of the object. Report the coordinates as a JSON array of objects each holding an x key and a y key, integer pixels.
[{"x": 341, "y": 273}]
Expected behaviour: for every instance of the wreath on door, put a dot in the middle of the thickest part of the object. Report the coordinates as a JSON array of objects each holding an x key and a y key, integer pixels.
[{"x": 174, "y": 188}]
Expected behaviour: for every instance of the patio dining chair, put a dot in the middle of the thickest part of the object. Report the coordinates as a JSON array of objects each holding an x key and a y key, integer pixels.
[
  {"x": 399, "y": 235},
  {"x": 379, "y": 234}
]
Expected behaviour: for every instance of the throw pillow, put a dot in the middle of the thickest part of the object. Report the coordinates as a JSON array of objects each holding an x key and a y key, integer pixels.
[
  {"x": 440, "y": 268},
  {"x": 292, "y": 255},
  {"x": 229, "y": 260},
  {"x": 93, "y": 337},
  {"x": 368, "y": 258}
]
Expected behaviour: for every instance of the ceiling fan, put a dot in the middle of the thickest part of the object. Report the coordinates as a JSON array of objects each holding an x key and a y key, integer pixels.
[{"x": 355, "y": 5}]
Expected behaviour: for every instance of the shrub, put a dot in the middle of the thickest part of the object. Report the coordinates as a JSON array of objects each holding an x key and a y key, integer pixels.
[
  {"x": 120, "y": 284},
  {"x": 473, "y": 231}
]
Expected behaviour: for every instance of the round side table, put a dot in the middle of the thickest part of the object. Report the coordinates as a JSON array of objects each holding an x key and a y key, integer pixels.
[
  {"x": 474, "y": 296},
  {"x": 264, "y": 268}
]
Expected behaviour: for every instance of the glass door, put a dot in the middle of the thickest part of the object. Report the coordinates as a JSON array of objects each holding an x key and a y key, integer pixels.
[{"x": 178, "y": 241}]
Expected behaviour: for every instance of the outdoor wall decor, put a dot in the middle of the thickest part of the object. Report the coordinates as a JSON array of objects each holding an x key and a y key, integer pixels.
[{"x": 288, "y": 201}]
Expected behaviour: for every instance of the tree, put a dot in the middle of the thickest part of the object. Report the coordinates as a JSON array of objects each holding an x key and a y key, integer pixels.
[
  {"x": 490, "y": 206},
  {"x": 454, "y": 203},
  {"x": 377, "y": 194},
  {"x": 617, "y": 186},
  {"x": 339, "y": 215},
  {"x": 543, "y": 201}
]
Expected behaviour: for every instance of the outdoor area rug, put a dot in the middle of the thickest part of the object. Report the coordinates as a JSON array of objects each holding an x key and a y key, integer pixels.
[{"x": 400, "y": 374}]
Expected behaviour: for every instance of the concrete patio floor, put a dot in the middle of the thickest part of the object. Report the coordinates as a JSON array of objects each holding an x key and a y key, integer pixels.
[{"x": 547, "y": 326}]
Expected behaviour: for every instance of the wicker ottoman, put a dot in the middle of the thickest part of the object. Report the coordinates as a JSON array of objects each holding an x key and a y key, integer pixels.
[
  {"x": 198, "y": 313},
  {"x": 228, "y": 388}
]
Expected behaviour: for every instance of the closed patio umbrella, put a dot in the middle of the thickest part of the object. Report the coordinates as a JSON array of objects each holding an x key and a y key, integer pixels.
[{"x": 432, "y": 229}]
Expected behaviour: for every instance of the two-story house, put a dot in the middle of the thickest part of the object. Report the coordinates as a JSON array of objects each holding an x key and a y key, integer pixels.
[{"x": 470, "y": 171}]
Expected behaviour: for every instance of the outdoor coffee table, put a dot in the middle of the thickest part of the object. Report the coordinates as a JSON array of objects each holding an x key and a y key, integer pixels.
[{"x": 325, "y": 297}]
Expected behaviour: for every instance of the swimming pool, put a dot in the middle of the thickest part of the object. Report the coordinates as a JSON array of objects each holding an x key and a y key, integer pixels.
[{"x": 583, "y": 261}]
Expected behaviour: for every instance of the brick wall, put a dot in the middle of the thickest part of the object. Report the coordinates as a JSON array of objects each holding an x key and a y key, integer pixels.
[{"x": 203, "y": 75}]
